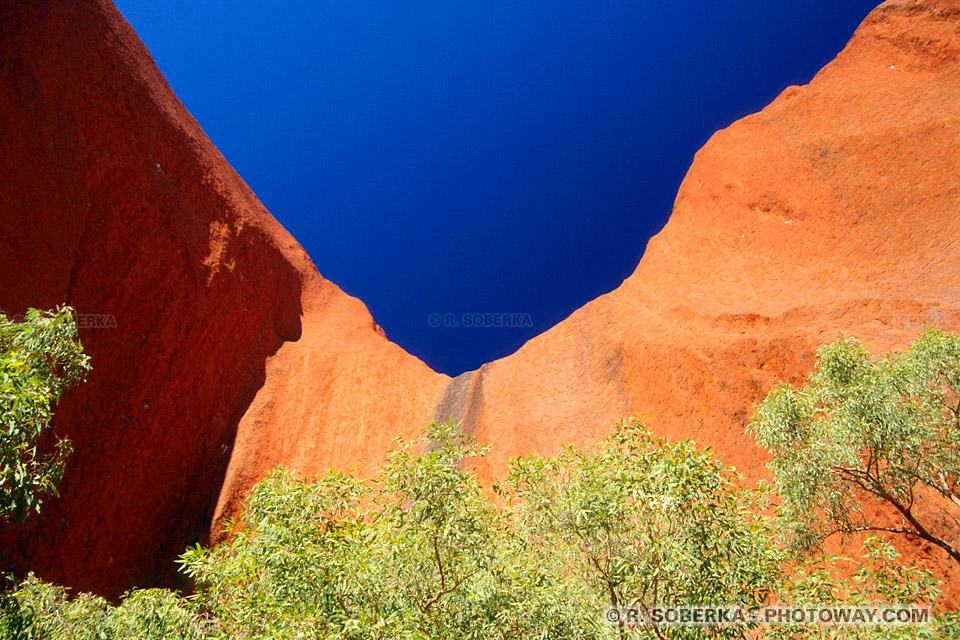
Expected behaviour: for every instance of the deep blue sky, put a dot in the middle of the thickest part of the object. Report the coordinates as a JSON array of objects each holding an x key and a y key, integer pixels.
[{"x": 478, "y": 155}]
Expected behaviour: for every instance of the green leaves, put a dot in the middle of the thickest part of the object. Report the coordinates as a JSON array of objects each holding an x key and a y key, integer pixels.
[
  {"x": 646, "y": 522},
  {"x": 287, "y": 567},
  {"x": 878, "y": 578},
  {"x": 862, "y": 430},
  {"x": 39, "y": 611},
  {"x": 426, "y": 552},
  {"x": 39, "y": 359}
]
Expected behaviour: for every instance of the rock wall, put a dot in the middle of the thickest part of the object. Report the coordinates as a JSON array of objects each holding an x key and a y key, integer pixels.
[
  {"x": 114, "y": 201},
  {"x": 835, "y": 209}
]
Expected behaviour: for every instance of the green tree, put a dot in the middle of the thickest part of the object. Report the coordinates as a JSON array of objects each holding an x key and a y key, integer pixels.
[
  {"x": 39, "y": 359},
  {"x": 863, "y": 430},
  {"x": 646, "y": 522},
  {"x": 420, "y": 553},
  {"x": 424, "y": 552},
  {"x": 438, "y": 540},
  {"x": 41, "y": 611},
  {"x": 292, "y": 563},
  {"x": 879, "y": 577}
]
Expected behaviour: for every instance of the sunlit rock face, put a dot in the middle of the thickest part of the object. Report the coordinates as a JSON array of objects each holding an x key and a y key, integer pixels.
[{"x": 835, "y": 209}]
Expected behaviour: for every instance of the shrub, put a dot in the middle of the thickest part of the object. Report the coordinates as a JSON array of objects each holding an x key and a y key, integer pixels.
[
  {"x": 39, "y": 359},
  {"x": 862, "y": 430}
]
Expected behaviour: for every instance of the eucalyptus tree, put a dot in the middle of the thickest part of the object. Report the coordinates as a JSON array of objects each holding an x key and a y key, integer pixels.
[{"x": 866, "y": 433}]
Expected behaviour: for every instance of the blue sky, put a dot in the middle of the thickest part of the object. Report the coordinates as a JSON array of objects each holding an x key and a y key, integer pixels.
[{"x": 478, "y": 157}]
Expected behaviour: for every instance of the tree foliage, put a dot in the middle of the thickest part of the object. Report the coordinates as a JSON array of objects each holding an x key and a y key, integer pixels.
[
  {"x": 420, "y": 553},
  {"x": 879, "y": 577},
  {"x": 645, "y": 522},
  {"x": 39, "y": 359},
  {"x": 40, "y": 611},
  {"x": 863, "y": 430},
  {"x": 426, "y": 552}
]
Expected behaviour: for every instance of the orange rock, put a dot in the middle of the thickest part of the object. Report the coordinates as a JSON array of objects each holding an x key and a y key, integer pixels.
[
  {"x": 116, "y": 202},
  {"x": 834, "y": 209}
]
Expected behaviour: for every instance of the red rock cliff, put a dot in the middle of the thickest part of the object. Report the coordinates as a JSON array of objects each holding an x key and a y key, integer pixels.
[
  {"x": 834, "y": 209},
  {"x": 114, "y": 201}
]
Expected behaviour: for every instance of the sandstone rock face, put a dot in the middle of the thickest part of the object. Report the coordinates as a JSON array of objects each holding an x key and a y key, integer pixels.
[
  {"x": 835, "y": 209},
  {"x": 114, "y": 201}
]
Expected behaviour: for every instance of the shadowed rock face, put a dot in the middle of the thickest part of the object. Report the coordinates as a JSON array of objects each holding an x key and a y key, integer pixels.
[
  {"x": 114, "y": 201},
  {"x": 833, "y": 210}
]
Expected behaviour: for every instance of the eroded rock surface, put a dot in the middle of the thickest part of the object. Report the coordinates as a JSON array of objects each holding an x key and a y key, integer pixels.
[{"x": 835, "y": 209}]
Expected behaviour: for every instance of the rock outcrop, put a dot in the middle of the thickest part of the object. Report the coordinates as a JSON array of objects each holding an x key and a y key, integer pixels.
[
  {"x": 835, "y": 209},
  {"x": 114, "y": 201}
]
